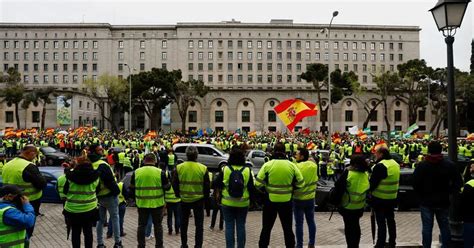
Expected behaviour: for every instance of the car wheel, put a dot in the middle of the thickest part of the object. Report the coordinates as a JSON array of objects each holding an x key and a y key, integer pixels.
[{"x": 50, "y": 162}]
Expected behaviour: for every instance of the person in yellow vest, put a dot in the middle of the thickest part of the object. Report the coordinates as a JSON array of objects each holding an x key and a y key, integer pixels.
[
  {"x": 148, "y": 184},
  {"x": 80, "y": 209},
  {"x": 3, "y": 161},
  {"x": 279, "y": 177},
  {"x": 173, "y": 208},
  {"x": 191, "y": 184},
  {"x": 467, "y": 206},
  {"x": 303, "y": 198},
  {"x": 236, "y": 183},
  {"x": 107, "y": 195},
  {"x": 21, "y": 172},
  {"x": 16, "y": 215},
  {"x": 122, "y": 209},
  {"x": 171, "y": 160},
  {"x": 384, "y": 184},
  {"x": 353, "y": 186}
]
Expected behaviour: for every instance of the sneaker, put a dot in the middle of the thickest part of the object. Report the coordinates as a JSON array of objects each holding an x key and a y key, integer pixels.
[
  {"x": 149, "y": 237},
  {"x": 118, "y": 245}
]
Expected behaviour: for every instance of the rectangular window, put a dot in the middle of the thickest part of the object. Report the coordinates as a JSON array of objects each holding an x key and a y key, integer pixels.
[
  {"x": 382, "y": 46},
  {"x": 210, "y": 66},
  {"x": 400, "y": 46},
  {"x": 26, "y": 44},
  {"x": 271, "y": 116},
  {"x": 374, "y": 116},
  {"x": 85, "y": 44},
  {"x": 210, "y": 78},
  {"x": 55, "y": 79},
  {"x": 9, "y": 116},
  {"x": 210, "y": 44},
  {"x": 269, "y": 78},
  {"x": 219, "y": 116},
  {"x": 400, "y": 57},
  {"x": 382, "y": 57},
  {"x": 164, "y": 56},
  {"x": 190, "y": 55},
  {"x": 85, "y": 56},
  {"x": 200, "y": 55},
  {"x": 95, "y": 56},
  {"x": 239, "y": 56},
  {"x": 230, "y": 78},
  {"x": 192, "y": 116},
  {"x": 345, "y": 56},
  {"x": 249, "y": 66},
  {"x": 336, "y": 45},
  {"x": 259, "y": 44},
  {"x": 348, "y": 115},
  {"x": 45, "y": 79},
  {"x": 307, "y": 56},
  {"x": 210, "y": 56},
  {"x": 250, "y": 78},
  {"x": 230, "y": 66},
  {"x": 269, "y": 44},
  {"x": 65, "y": 67},
  {"x": 259, "y": 56},
  {"x": 142, "y": 66},
  {"x": 120, "y": 43},
  {"x": 200, "y": 66},
  {"x": 326, "y": 45},
  {"x": 245, "y": 116},
  {"x": 354, "y": 57},
  {"x": 142, "y": 55},
  {"x": 94, "y": 67},
  {"x": 84, "y": 67},
  {"x": 307, "y": 44},
  {"x": 190, "y": 44},
  {"x": 164, "y": 44},
  {"x": 230, "y": 56},
  {"x": 65, "y": 79},
  {"x": 298, "y": 44},
  {"x": 56, "y": 44},
  {"x": 190, "y": 66},
  {"x": 422, "y": 115},
  {"x": 372, "y": 57},
  {"x": 239, "y": 44},
  {"x": 345, "y": 45},
  {"x": 317, "y": 45},
  {"x": 66, "y": 44},
  {"x": 200, "y": 44},
  {"x": 95, "y": 44},
  {"x": 398, "y": 115}
]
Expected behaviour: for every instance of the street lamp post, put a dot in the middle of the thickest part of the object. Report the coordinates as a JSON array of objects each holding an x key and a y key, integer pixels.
[
  {"x": 129, "y": 97},
  {"x": 448, "y": 15},
  {"x": 330, "y": 113}
]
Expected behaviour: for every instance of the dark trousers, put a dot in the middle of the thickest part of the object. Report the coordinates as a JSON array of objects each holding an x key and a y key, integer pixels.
[
  {"x": 352, "y": 226},
  {"x": 198, "y": 211},
  {"x": 173, "y": 209},
  {"x": 157, "y": 217},
  {"x": 36, "y": 206},
  {"x": 385, "y": 218},
  {"x": 215, "y": 211},
  {"x": 85, "y": 228},
  {"x": 270, "y": 211}
]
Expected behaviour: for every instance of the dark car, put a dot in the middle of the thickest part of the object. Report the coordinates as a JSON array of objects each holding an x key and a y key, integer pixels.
[
  {"x": 52, "y": 157},
  {"x": 51, "y": 174}
]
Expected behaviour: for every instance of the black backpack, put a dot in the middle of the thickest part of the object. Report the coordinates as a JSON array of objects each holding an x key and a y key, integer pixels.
[{"x": 236, "y": 182}]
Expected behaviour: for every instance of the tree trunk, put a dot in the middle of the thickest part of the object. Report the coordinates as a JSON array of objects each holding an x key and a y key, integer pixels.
[
  {"x": 412, "y": 115},
  {"x": 43, "y": 115},
  {"x": 386, "y": 121},
  {"x": 17, "y": 116},
  {"x": 155, "y": 118},
  {"x": 438, "y": 127},
  {"x": 183, "y": 122},
  {"x": 322, "y": 110}
]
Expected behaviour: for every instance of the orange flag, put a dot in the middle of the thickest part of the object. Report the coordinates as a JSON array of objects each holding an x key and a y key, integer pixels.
[{"x": 291, "y": 111}]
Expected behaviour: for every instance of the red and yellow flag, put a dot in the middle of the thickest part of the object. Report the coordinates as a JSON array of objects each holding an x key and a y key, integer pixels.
[{"x": 291, "y": 111}]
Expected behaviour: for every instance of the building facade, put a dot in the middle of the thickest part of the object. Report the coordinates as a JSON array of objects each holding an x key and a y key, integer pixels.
[{"x": 250, "y": 67}]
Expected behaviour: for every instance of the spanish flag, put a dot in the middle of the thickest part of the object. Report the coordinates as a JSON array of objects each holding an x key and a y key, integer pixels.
[{"x": 291, "y": 111}]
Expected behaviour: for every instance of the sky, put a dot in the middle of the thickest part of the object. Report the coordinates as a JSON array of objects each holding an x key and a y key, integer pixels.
[{"x": 381, "y": 12}]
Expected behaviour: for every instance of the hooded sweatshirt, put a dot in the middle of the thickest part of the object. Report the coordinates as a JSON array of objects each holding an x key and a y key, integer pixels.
[
  {"x": 434, "y": 179},
  {"x": 82, "y": 176}
]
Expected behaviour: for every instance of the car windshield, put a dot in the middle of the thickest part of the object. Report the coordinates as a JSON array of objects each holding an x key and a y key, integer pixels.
[{"x": 48, "y": 149}]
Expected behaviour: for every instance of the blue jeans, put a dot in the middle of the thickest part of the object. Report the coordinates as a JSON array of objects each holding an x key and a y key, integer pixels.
[
  {"x": 122, "y": 208},
  {"x": 173, "y": 209},
  {"x": 468, "y": 234},
  {"x": 427, "y": 220},
  {"x": 302, "y": 210},
  {"x": 110, "y": 204},
  {"x": 234, "y": 218},
  {"x": 149, "y": 225}
]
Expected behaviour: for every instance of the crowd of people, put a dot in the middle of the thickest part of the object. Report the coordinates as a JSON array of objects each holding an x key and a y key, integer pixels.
[{"x": 285, "y": 186}]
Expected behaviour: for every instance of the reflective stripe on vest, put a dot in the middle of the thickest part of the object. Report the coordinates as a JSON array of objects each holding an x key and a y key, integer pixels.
[
  {"x": 13, "y": 174},
  {"x": 81, "y": 198},
  {"x": 10, "y": 236},
  {"x": 357, "y": 187},
  {"x": 103, "y": 190},
  {"x": 388, "y": 187},
  {"x": 170, "y": 195},
  {"x": 191, "y": 176},
  {"x": 281, "y": 174},
  {"x": 228, "y": 200},
  {"x": 309, "y": 170},
  {"x": 148, "y": 187},
  {"x": 61, "y": 183}
]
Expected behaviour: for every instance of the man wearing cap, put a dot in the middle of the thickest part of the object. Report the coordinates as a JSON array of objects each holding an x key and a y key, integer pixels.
[
  {"x": 148, "y": 184},
  {"x": 191, "y": 184},
  {"x": 107, "y": 196},
  {"x": 16, "y": 215},
  {"x": 21, "y": 172}
]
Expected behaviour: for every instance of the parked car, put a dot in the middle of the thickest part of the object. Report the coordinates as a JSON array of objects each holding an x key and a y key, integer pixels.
[
  {"x": 51, "y": 174},
  {"x": 52, "y": 157},
  {"x": 255, "y": 158},
  {"x": 209, "y": 155}
]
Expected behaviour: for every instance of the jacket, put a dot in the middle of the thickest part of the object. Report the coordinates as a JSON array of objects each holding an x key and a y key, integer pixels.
[
  {"x": 81, "y": 176},
  {"x": 14, "y": 217},
  {"x": 434, "y": 179},
  {"x": 107, "y": 178}
]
